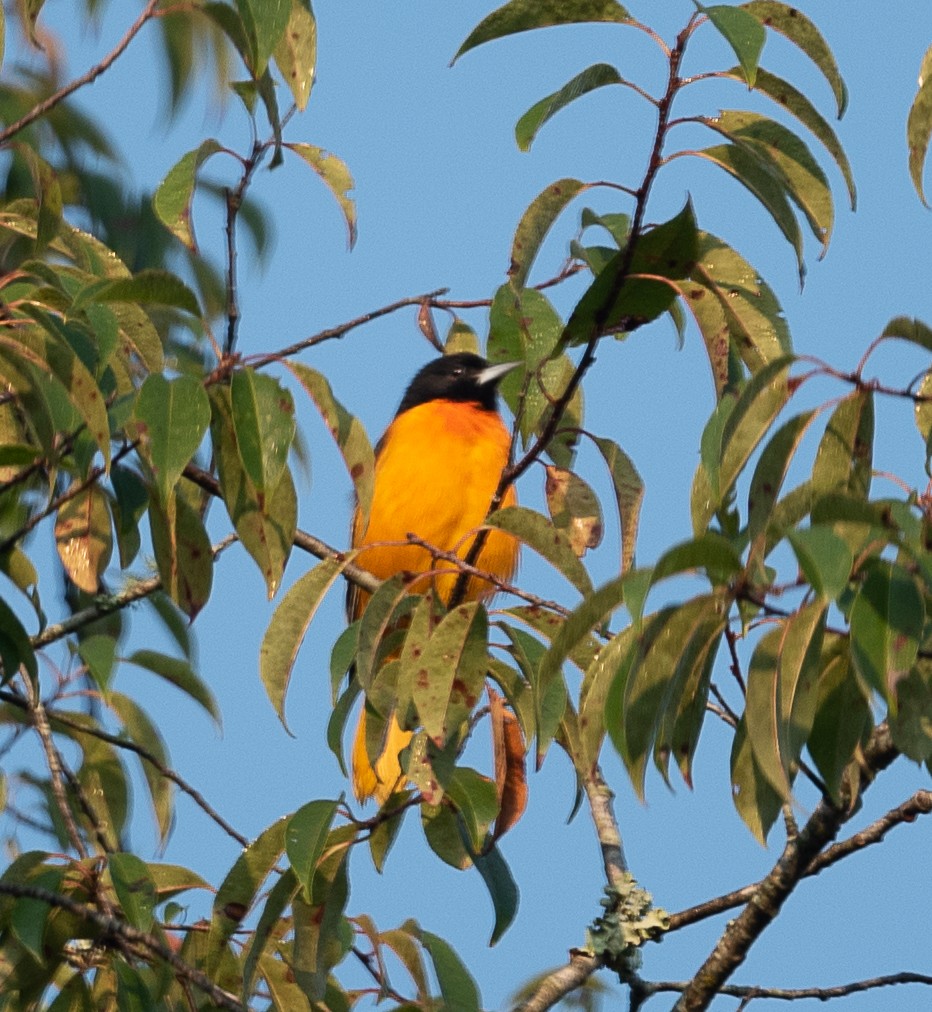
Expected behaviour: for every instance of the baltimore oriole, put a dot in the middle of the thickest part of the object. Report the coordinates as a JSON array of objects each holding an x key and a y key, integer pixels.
[{"x": 436, "y": 470}]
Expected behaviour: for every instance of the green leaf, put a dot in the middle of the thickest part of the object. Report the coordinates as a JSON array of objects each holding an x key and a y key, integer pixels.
[
  {"x": 523, "y": 15},
  {"x": 918, "y": 133},
  {"x": 265, "y": 20},
  {"x": 824, "y": 558},
  {"x": 263, "y": 419},
  {"x": 536, "y": 223},
  {"x": 770, "y": 474},
  {"x": 782, "y": 691},
  {"x": 179, "y": 673},
  {"x": 29, "y": 919},
  {"x": 923, "y": 416},
  {"x": 377, "y": 620},
  {"x": 911, "y": 723},
  {"x": 444, "y": 833},
  {"x": 909, "y": 329},
  {"x": 451, "y": 672},
  {"x": 843, "y": 718},
  {"x": 536, "y": 531},
  {"x": 296, "y": 52},
  {"x": 524, "y": 326},
  {"x": 476, "y": 801},
  {"x": 280, "y": 895},
  {"x": 173, "y": 879},
  {"x": 709, "y": 551},
  {"x": 337, "y": 178},
  {"x": 794, "y": 25},
  {"x": 597, "y": 76},
  {"x": 134, "y": 888},
  {"x": 844, "y": 458},
  {"x": 15, "y": 648},
  {"x": 183, "y": 553},
  {"x": 347, "y": 430},
  {"x": 157, "y": 286},
  {"x": 593, "y": 695},
  {"x": 140, "y": 729},
  {"x": 757, "y": 802},
  {"x": 733, "y": 433},
  {"x": 287, "y": 630},
  {"x": 629, "y": 495},
  {"x": 305, "y": 838},
  {"x": 49, "y": 352},
  {"x": 457, "y": 986},
  {"x": 737, "y": 312},
  {"x": 174, "y": 195},
  {"x": 265, "y": 524},
  {"x": 794, "y": 102},
  {"x": 665, "y": 644},
  {"x": 172, "y": 417},
  {"x": 742, "y": 31},
  {"x": 887, "y": 619},
  {"x": 750, "y": 167},
  {"x": 240, "y": 888},
  {"x": 84, "y": 537},
  {"x": 632, "y": 290},
  {"x": 790, "y": 161},
  {"x": 502, "y": 888}
]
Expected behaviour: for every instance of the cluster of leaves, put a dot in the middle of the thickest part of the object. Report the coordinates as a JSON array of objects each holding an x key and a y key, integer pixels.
[{"x": 117, "y": 406}]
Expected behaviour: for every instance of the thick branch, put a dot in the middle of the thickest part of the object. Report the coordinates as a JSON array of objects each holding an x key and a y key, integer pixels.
[{"x": 768, "y": 898}]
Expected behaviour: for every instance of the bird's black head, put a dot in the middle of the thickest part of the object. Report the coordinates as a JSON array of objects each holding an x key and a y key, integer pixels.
[{"x": 459, "y": 377}]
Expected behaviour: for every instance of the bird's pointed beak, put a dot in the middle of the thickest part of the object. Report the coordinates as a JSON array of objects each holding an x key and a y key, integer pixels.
[{"x": 492, "y": 374}]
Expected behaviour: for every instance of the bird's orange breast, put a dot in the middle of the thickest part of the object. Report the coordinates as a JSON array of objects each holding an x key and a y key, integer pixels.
[{"x": 437, "y": 469}]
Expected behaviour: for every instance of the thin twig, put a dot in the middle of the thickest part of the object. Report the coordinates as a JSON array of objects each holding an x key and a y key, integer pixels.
[
  {"x": 114, "y": 928},
  {"x": 38, "y": 111}
]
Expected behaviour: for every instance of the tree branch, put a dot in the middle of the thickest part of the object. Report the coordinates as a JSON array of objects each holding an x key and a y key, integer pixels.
[
  {"x": 115, "y": 928},
  {"x": 919, "y": 804},
  {"x": 741, "y": 933}
]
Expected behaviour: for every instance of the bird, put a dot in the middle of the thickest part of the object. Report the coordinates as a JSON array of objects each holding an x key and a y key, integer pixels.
[{"x": 437, "y": 467}]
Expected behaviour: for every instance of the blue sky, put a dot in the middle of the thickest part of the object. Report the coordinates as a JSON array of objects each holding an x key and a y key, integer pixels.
[{"x": 440, "y": 186}]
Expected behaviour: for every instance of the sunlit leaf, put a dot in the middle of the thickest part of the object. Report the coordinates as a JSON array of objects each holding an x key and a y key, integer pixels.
[
  {"x": 574, "y": 509},
  {"x": 346, "y": 429},
  {"x": 539, "y": 533},
  {"x": 750, "y": 168},
  {"x": 173, "y": 197},
  {"x": 286, "y": 631},
  {"x": 240, "y": 888},
  {"x": 84, "y": 537},
  {"x": 337, "y": 178},
  {"x": 629, "y": 494},
  {"x": 523, "y": 15},
  {"x": 796, "y": 103},
  {"x": 844, "y": 458},
  {"x": 792, "y": 23},
  {"x": 296, "y": 52}
]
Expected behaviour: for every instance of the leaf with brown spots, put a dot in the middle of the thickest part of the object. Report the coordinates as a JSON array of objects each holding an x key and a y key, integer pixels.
[{"x": 574, "y": 508}]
